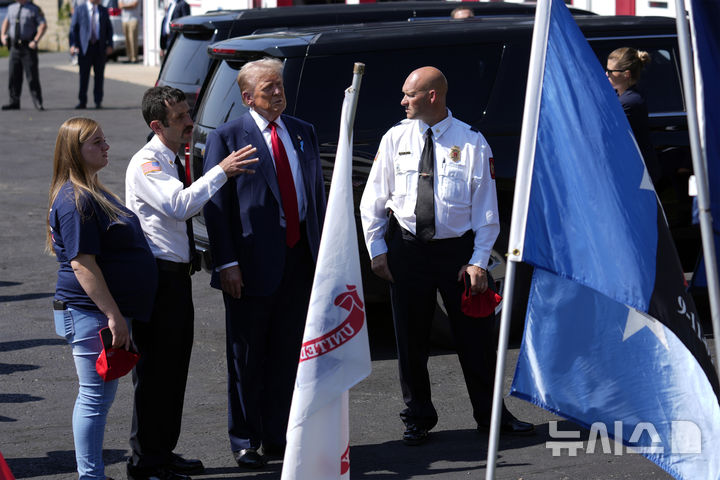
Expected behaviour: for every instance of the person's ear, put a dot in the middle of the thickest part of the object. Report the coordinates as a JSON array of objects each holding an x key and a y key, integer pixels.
[
  {"x": 247, "y": 98},
  {"x": 156, "y": 126}
]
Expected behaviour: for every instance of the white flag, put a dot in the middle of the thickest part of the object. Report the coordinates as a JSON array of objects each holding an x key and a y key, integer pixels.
[{"x": 335, "y": 354}]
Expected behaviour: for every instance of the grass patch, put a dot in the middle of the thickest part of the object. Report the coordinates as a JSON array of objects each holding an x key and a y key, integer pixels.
[{"x": 3, "y": 52}]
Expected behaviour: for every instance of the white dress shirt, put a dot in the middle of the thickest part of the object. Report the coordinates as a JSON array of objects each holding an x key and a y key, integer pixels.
[
  {"x": 94, "y": 20},
  {"x": 168, "y": 16},
  {"x": 464, "y": 190},
  {"x": 155, "y": 194}
]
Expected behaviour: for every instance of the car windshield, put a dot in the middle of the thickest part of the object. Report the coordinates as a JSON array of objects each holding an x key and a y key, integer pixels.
[
  {"x": 188, "y": 61},
  {"x": 222, "y": 101}
]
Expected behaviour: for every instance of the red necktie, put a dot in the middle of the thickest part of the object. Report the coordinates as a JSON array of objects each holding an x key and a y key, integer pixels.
[{"x": 287, "y": 188}]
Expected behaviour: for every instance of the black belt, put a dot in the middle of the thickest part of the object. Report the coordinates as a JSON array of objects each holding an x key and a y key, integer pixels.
[
  {"x": 433, "y": 241},
  {"x": 173, "y": 267}
]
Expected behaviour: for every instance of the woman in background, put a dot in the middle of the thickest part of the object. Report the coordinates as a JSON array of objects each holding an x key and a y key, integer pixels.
[
  {"x": 107, "y": 276},
  {"x": 624, "y": 66}
]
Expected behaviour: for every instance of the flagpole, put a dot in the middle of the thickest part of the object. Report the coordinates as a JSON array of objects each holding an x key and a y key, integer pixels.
[
  {"x": 358, "y": 71},
  {"x": 699, "y": 161},
  {"x": 521, "y": 198}
]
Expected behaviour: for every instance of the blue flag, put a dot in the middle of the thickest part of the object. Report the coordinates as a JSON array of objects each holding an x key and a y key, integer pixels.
[
  {"x": 611, "y": 335},
  {"x": 705, "y": 18}
]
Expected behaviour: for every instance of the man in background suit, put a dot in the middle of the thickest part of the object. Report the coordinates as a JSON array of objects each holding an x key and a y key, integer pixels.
[
  {"x": 91, "y": 39},
  {"x": 264, "y": 235},
  {"x": 175, "y": 9}
]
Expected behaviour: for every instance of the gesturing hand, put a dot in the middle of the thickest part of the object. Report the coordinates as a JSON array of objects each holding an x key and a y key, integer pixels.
[{"x": 237, "y": 161}]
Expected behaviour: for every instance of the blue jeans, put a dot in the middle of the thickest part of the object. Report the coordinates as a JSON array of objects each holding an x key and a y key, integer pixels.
[{"x": 95, "y": 396}]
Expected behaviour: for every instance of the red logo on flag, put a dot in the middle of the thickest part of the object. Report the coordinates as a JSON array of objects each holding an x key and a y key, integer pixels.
[
  {"x": 345, "y": 461},
  {"x": 349, "y": 300}
]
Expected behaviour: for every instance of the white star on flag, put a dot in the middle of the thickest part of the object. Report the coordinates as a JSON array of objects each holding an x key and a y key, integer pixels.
[{"x": 637, "y": 320}]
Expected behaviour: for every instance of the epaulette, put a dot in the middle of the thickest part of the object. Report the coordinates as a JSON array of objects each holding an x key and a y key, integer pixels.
[
  {"x": 474, "y": 129},
  {"x": 397, "y": 124}
]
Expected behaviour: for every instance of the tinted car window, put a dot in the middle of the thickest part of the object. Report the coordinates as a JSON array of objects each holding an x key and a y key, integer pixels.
[
  {"x": 470, "y": 70},
  {"x": 188, "y": 61},
  {"x": 660, "y": 81},
  {"x": 225, "y": 103}
]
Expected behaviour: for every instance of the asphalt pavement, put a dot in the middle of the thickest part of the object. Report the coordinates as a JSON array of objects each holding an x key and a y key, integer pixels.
[{"x": 37, "y": 378}]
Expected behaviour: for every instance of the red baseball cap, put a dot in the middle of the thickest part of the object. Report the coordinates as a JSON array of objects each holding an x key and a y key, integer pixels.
[
  {"x": 114, "y": 362},
  {"x": 480, "y": 305}
]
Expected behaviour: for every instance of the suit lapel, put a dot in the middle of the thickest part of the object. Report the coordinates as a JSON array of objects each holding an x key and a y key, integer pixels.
[
  {"x": 301, "y": 147},
  {"x": 265, "y": 166},
  {"x": 84, "y": 27}
]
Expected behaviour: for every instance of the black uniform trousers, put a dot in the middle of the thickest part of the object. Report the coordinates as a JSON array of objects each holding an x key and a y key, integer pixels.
[
  {"x": 165, "y": 345},
  {"x": 24, "y": 58},
  {"x": 94, "y": 58},
  {"x": 264, "y": 335},
  {"x": 419, "y": 270}
]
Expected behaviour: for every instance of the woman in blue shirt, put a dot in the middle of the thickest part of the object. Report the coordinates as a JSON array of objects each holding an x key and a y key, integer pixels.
[
  {"x": 623, "y": 69},
  {"x": 107, "y": 275}
]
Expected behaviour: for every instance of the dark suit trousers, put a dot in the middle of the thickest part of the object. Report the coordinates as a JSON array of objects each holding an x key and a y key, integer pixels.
[
  {"x": 94, "y": 58},
  {"x": 165, "y": 345},
  {"x": 264, "y": 335},
  {"x": 419, "y": 270},
  {"x": 23, "y": 58}
]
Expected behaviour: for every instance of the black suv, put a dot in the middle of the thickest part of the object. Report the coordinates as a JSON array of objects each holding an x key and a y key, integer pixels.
[
  {"x": 486, "y": 63},
  {"x": 187, "y": 63}
]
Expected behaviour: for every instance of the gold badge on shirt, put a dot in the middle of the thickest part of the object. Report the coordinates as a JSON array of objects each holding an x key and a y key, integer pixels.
[{"x": 455, "y": 154}]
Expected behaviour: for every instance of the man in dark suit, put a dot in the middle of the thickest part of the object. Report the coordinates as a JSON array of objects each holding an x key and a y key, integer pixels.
[
  {"x": 175, "y": 9},
  {"x": 264, "y": 235},
  {"x": 91, "y": 39}
]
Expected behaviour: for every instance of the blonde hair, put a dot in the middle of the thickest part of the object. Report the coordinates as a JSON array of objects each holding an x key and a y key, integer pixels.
[
  {"x": 628, "y": 58},
  {"x": 68, "y": 165},
  {"x": 248, "y": 74}
]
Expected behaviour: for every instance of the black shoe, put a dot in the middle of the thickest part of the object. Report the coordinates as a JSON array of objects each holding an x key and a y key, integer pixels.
[
  {"x": 11, "y": 106},
  {"x": 80, "y": 106},
  {"x": 273, "y": 451},
  {"x": 179, "y": 464},
  {"x": 511, "y": 426},
  {"x": 38, "y": 104},
  {"x": 98, "y": 106},
  {"x": 249, "y": 458},
  {"x": 160, "y": 473},
  {"x": 415, "y": 435}
]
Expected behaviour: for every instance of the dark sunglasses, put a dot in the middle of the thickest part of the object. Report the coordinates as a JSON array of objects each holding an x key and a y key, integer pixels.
[{"x": 609, "y": 70}]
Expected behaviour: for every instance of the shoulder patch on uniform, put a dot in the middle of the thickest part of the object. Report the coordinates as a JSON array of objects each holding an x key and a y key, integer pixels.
[
  {"x": 151, "y": 166},
  {"x": 474, "y": 129}
]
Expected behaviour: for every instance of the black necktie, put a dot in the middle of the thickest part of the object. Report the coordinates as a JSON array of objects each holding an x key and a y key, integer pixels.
[
  {"x": 17, "y": 36},
  {"x": 188, "y": 222},
  {"x": 425, "y": 206}
]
